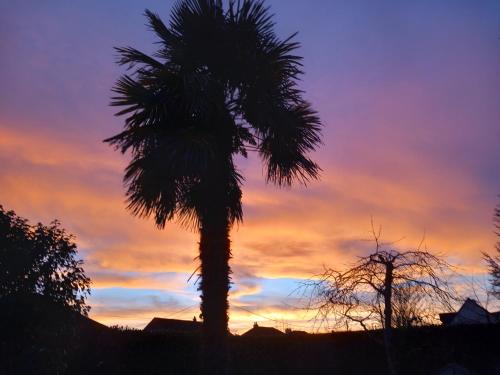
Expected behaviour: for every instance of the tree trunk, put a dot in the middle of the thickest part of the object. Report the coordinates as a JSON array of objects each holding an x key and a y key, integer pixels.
[
  {"x": 388, "y": 318},
  {"x": 214, "y": 256}
]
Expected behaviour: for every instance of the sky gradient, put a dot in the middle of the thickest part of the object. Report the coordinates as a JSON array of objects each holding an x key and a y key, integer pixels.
[{"x": 409, "y": 96}]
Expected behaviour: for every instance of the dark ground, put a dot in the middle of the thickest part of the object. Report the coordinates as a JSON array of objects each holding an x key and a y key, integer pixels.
[{"x": 36, "y": 339}]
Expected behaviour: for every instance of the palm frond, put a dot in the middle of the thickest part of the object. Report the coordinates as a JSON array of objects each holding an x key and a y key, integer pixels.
[
  {"x": 133, "y": 57},
  {"x": 288, "y": 134},
  {"x": 252, "y": 15},
  {"x": 286, "y": 124},
  {"x": 160, "y": 179},
  {"x": 157, "y": 25}
]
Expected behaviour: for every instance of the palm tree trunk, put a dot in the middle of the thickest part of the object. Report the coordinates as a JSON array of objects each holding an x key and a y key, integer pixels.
[{"x": 214, "y": 256}]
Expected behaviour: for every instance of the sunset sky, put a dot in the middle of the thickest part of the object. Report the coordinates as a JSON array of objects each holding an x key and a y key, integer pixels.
[{"x": 409, "y": 94}]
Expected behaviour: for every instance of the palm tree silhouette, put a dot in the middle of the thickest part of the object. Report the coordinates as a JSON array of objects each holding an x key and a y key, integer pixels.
[{"x": 220, "y": 84}]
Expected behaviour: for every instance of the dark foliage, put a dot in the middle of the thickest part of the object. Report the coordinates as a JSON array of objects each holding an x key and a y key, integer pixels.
[
  {"x": 40, "y": 336},
  {"x": 52, "y": 348},
  {"x": 494, "y": 262},
  {"x": 39, "y": 259}
]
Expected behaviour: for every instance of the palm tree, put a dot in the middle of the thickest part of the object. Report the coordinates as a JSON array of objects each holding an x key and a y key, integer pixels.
[{"x": 220, "y": 84}]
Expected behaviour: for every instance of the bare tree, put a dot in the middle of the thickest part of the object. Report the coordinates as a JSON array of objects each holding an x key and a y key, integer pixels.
[{"x": 381, "y": 288}]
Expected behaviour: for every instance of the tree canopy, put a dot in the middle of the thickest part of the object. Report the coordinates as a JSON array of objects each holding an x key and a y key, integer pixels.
[
  {"x": 40, "y": 259},
  {"x": 220, "y": 84},
  {"x": 494, "y": 261}
]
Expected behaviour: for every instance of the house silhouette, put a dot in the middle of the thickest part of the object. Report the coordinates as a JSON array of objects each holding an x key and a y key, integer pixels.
[
  {"x": 470, "y": 313},
  {"x": 258, "y": 331},
  {"x": 162, "y": 325}
]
